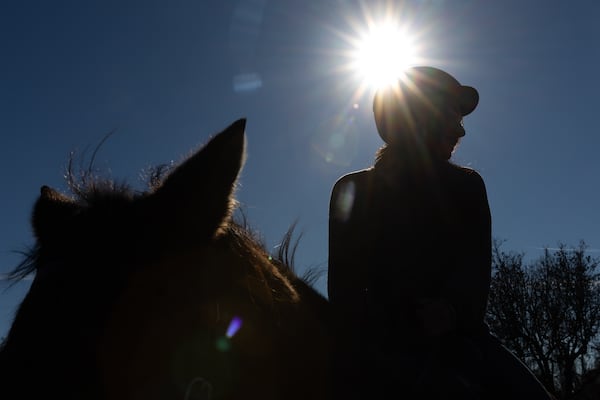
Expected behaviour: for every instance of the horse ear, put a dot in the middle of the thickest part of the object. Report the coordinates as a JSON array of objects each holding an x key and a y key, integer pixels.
[
  {"x": 50, "y": 213},
  {"x": 197, "y": 197}
]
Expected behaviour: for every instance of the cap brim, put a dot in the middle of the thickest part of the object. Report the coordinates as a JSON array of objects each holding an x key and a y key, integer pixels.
[{"x": 469, "y": 98}]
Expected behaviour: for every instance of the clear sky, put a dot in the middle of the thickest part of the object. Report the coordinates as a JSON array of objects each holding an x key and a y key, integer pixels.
[{"x": 167, "y": 75}]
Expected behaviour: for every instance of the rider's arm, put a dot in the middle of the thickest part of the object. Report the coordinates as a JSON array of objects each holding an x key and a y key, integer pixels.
[
  {"x": 467, "y": 289},
  {"x": 340, "y": 277}
]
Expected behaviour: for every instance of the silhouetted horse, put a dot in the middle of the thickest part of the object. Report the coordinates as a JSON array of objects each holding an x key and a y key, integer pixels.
[{"x": 161, "y": 295}]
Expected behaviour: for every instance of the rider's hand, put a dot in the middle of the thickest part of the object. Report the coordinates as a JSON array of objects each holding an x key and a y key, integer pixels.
[{"x": 437, "y": 316}]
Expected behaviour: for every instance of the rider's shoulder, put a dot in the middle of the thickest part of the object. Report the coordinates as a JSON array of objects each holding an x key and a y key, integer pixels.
[
  {"x": 354, "y": 178},
  {"x": 466, "y": 174}
]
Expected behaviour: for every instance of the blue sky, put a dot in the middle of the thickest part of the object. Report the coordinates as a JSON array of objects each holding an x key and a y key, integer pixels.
[{"x": 167, "y": 75}]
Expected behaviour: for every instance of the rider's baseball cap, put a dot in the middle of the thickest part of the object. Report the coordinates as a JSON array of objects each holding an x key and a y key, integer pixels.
[{"x": 422, "y": 88}]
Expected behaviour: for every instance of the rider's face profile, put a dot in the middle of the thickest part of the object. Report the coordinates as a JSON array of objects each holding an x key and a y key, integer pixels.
[{"x": 447, "y": 131}]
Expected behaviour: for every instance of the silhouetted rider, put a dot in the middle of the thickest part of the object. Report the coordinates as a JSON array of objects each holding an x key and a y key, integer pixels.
[{"x": 410, "y": 255}]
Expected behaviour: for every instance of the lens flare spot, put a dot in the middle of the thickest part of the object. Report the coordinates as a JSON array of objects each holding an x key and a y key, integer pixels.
[
  {"x": 345, "y": 201},
  {"x": 234, "y": 326},
  {"x": 336, "y": 139},
  {"x": 223, "y": 344},
  {"x": 246, "y": 82},
  {"x": 198, "y": 388}
]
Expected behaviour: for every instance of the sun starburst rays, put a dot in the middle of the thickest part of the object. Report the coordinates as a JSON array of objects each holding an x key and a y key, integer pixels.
[
  {"x": 365, "y": 51},
  {"x": 382, "y": 54},
  {"x": 379, "y": 46}
]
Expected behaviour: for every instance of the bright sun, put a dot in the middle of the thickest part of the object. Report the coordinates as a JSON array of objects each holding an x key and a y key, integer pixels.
[{"x": 382, "y": 54}]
